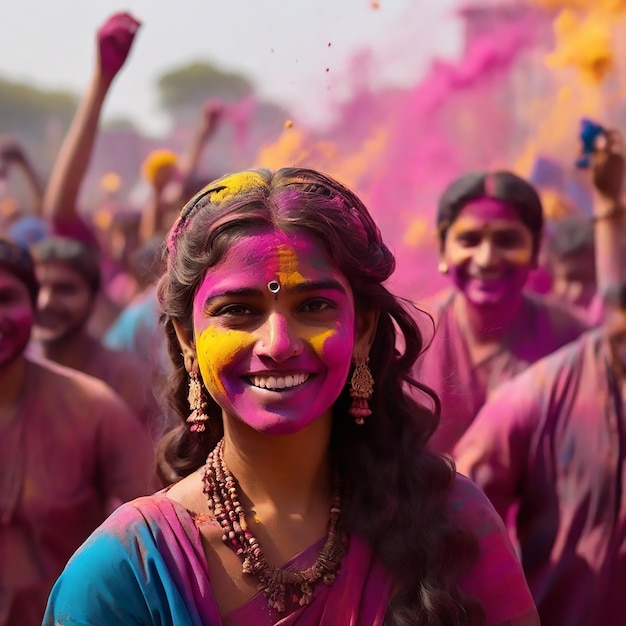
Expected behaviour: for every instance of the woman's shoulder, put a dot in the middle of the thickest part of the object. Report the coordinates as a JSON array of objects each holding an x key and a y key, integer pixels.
[
  {"x": 496, "y": 578},
  {"x": 58, "y": 379},
  {"x": 470, "y": 508}
]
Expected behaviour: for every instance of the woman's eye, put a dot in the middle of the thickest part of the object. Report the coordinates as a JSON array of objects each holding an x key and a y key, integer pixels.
[
  {"x": 469, "y": 240},
  {"x": 509, "y": 240},
  {"x": 315, "y": 306},
  {"x": 233, "y": 310}
]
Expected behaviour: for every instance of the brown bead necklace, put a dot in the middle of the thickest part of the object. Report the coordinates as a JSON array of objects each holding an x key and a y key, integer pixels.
[{"x": 274, "y": 583}]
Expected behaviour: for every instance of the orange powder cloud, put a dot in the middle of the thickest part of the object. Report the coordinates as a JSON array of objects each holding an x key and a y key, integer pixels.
[{"x": 585, "y": 43}]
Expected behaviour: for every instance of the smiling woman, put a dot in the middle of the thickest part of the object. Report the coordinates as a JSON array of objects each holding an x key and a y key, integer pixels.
[
  {"x": 302, "y": 490},
  {"x": 487, "y": 328}
]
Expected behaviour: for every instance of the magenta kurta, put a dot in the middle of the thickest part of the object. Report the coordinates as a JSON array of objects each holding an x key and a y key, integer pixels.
[
  {"x": 463, "y": 386},
  {"x": 553, "y": 441},
  {"x": 73, "y": 448}
]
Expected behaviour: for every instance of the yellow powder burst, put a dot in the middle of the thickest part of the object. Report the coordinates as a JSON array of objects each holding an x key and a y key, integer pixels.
[
  {"x": 288, "y": 149},
  {"x": 584, "y": 43},
  {"x": 555, "y": 205},
  {"x": 156, "y": 162},
  {"x": 605, "y": 6},
  {"x": 417, "y": 233},
  {"x": 103, "y": 219},
  {"x": 110, "y": 182}
]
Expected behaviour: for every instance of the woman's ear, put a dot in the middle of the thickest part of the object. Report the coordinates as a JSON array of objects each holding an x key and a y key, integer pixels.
[
  {"x": 187, "y": 346},
  {"x": 366, "y": 325}
]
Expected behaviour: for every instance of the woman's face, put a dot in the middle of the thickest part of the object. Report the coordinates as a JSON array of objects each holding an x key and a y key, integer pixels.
[
  {"x": 489, "y": 252},
  {"x": 274, "y": 331}
]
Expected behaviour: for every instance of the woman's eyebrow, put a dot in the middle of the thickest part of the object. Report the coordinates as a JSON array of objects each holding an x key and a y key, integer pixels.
[
  {"x": 318, "y": 285},
  {"x": 303, "y": 287}
]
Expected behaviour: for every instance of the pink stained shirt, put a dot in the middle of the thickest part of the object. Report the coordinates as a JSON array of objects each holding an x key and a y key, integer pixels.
[
  {"x": 73, "y": 449},
  {"x": 552, "y": 442},
  {"x": 463, "y": 386}
]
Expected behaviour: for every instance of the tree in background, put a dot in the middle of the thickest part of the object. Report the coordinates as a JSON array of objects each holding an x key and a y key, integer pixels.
[{"x": 250, "y": 121}]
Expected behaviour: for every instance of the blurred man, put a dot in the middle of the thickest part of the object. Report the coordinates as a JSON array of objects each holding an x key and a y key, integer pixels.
[
  {"x": 570, "y": 257},
  {"x": 70, "y": 451},
  {"x": 68, "y": 273},
  {"x": 553, "y": 442}
]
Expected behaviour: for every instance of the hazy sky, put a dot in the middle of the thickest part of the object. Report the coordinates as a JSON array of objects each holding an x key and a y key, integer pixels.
[{"x": 282, "y": 45}]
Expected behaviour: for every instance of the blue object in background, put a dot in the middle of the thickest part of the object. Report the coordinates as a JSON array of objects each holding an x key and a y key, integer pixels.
[{"x": 589, "y": 132}]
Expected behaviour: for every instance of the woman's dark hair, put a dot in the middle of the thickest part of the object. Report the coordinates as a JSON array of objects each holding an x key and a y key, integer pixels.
[
  {"x": 398, "y": 489},
  {"x": 500, "y": 185}
]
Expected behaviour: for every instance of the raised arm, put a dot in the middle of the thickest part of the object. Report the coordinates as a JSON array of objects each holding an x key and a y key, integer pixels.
[
  {"x": 12, "y": 156},
  {"x": 212, "y": 113},
  {"x": 494, "y": 450},
  {"x": 114, "y": 41},
  {"x": 168, "y": 191},
  {"x": 607, "y": 171}
]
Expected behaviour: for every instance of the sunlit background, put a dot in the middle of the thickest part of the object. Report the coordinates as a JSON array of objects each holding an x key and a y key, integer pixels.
[{"x": 394, "y": 97}]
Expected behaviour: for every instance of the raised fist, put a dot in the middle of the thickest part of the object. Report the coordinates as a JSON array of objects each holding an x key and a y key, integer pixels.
[
  {"x": 115, "y": 38},
  {"x": 607, "y": 165}
]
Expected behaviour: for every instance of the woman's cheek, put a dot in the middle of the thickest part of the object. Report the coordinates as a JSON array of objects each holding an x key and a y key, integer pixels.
[
  {"x": 334, "y": 345},
  {"x": 521, "y": 257},
  {"x": 217, "y": 349}
]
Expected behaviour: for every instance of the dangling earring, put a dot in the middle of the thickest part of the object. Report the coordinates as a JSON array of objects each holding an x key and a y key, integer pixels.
[
  {"x": 361, "y": 388},
  {"x": 443, "y": 268},
  {"x": 196, "y": 404}
]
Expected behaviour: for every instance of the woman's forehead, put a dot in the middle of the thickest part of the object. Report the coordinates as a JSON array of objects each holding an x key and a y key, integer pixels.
[
  {"x": 287, "y": 258},
  {"x": 488, "y": 210}
]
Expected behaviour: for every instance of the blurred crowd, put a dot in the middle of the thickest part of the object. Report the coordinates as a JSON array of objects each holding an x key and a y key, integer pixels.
[{"x": 532, "y": 386}]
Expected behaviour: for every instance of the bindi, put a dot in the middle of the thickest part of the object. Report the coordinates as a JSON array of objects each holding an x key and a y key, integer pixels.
[{"x": 274, "y": 287}]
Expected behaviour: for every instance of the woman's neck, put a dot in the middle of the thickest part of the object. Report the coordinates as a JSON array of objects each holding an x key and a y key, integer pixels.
[
  {"x": 12, "y": 383},
  {"x": 286, "y": 473},
  {"x": 487, "y": 324}
]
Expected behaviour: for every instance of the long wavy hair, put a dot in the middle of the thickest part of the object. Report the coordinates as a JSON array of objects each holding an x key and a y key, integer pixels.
[{"x": 398, "y": 489}]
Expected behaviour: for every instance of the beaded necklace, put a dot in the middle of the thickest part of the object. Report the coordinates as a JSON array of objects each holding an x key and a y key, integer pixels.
[{"x": 274, "y": 583}]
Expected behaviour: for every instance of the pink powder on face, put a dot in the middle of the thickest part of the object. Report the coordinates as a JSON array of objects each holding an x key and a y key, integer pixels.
[
  {"x": 275, "y": 363},
  {"x": 489, "y": 252},
  {"x": 16, "y": 317}
]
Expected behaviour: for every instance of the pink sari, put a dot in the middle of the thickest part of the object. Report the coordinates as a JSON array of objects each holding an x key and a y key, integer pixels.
[{"x": 147, "y": 565}]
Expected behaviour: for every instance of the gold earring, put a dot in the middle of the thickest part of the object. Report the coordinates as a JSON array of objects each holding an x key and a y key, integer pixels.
[
  {"x": 197, "y": 404},
  {"x": 361, "y": 389}
]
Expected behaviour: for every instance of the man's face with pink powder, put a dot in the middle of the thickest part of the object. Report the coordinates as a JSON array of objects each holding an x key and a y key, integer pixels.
[
  {"x": 16, "y": 317},
  {"x": 274, "y": 332},
  {"x": 489, "y": 252}
]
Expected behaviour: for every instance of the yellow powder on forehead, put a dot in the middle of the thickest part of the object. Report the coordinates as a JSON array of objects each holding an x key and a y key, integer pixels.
[
  {"x": 288, "y": 267},
  {"x": 216, "y": 348},
  {"x": 236, "y": 184}
]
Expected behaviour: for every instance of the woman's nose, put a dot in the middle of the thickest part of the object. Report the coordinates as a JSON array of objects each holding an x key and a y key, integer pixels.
[
  {"x": 486, "y": 255},
  {"x": 279, "y": 339}
]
